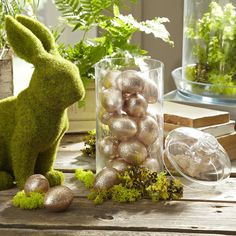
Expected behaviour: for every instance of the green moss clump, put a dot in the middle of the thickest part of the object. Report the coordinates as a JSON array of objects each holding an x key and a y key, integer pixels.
[
  {"x": 90, "y": 144},
  {"x": 165, "y": 189},
  {"x": 119, "y": 193},
  {"x": 99, "y": 196},
  {"x": 55, "y": 177},
  {"x": 135, "y": 183},
  {"x": 86, "y": 177},
  {"x": 34, "y": 201}
]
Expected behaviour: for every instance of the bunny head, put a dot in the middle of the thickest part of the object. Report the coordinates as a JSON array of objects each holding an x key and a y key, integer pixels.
[{"x": 55, "y": 82}]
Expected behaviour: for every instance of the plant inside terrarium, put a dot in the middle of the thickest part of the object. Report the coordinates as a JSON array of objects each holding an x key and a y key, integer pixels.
[{"x": 214, "y": 40}]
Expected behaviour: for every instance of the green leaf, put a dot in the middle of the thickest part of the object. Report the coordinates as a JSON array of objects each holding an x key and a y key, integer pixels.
[
  {"x": 155, "y": 26},
  {"x": 116, "y": 10}
]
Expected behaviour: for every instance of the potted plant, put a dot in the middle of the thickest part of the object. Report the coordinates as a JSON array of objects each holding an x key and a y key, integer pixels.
[
  {"x": 209, "y": 49},
  {"x": 12, "y": 7},
  {"x": 115, "y": 32}
]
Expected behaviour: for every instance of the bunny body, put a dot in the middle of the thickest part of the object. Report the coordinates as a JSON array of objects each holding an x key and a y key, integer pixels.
[{"x": 33, "y": 123}]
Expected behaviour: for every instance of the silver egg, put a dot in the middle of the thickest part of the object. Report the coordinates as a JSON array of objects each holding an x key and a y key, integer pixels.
[
  {"x": 136, "y": 105},
  {"x": 108, "y": 147},
  {"x": 122, "y": 127},
  {"x": 106, "y": 178},
  {"x": 148, "y": 130},
  {"x": 152, "y": 164},
  {"x": 155, "y": 150},
  {"x": 119, "y": 164},
  {"x": 58, "y": 198},
  {"x": 110, "y": 78},
  {"x": 150, "y": 91},
  {"x": 104, "y": 116},
  {"x": 111, "y": 100},
  {"x": 36, "y": 183},
  {"x": 133, "y": 152},
  {"x": 129, "y": 81}
]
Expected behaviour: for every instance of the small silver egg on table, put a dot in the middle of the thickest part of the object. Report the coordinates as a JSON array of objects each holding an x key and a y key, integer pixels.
[
  {"x": 36, "y": 183},
  {"x": 58, "y": 198},
  {"x": 106, "y": 178}
]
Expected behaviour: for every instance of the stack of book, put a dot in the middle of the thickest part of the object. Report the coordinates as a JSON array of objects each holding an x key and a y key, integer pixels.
[{"x": 214, "y": 122}]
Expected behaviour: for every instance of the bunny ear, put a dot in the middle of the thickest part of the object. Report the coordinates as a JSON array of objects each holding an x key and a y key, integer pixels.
[
  {"x": 24, "y": 43},
  {"x": 40, "y": 31}
]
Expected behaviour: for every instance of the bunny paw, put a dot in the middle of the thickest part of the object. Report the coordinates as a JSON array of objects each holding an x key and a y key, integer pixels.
[{"x": 55, "y": 177}]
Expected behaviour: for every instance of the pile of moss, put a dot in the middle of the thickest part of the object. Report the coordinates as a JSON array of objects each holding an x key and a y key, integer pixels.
[
  {"x": 90, "y": 144},
  {"x": 135, "y": 183},
  {"x": 34, "y": 201}
]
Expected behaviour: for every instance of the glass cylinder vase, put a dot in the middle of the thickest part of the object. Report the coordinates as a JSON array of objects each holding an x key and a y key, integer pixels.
[
  {"x": 129, "y": 110},
  {"x": 209, "y": 48}
]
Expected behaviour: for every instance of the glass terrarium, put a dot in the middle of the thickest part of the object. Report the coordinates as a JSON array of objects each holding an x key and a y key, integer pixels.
[
  {"x": 129, "y": 114},
  {"x": 209, "y": 50}
]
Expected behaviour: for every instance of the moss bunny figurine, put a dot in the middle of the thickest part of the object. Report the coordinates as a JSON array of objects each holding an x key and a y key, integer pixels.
[{"x": 33, "y": 123}]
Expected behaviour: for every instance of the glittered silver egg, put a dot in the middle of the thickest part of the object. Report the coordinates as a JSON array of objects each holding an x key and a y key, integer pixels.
[
  {"x": 36, "y": 183},
  {"x": 129, "y": 81},
  {"x": 148, "y": 130},
  {"x": 152, "y": 164},
  {"x": 104, "y": 116},
  {"x": 106, "y": 178},
  {"x": 133, "y": 152},
  {"x": 111, "y": 100},
  {"x": 155, "y": 150},
  {"x": 150, "y": 91},
  {"x": 58, "y": 198},
  {"x": 109, "y": 80},
  {"x": 136, "y": 105},
  {"x": 119, "y": 164},
  {"x": 108, "y": 147},
  {"x": 122, "y": 127}
]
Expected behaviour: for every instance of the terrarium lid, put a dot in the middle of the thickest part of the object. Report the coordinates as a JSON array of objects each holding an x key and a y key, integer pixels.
[{"x": 196, "y": 156}]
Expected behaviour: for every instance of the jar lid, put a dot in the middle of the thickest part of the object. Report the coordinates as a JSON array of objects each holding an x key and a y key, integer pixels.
[{"x": 196, "y": 156}]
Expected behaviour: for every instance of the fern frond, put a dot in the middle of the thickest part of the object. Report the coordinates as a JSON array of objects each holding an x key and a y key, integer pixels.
[
  {"x": 155, "y": 26},
  {"x": 68, "y": 8}
]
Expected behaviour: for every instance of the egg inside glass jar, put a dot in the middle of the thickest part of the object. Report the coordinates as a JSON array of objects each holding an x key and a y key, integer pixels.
[{"x": 131, "y": 117}]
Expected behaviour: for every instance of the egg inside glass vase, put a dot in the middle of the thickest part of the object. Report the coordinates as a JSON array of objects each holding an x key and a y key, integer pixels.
[{"x": 131, "y": 92}]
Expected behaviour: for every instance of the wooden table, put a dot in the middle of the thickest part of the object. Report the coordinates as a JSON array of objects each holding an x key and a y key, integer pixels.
[{"x": 198, "y": 213}]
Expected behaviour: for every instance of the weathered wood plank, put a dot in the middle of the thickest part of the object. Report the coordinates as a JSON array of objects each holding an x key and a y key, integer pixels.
[
  {"x": 221, "y": 193},
  {"x": 233, "y": 170},
  {"x": 32, "y": 232},
  {"x": 70, "y": 157},
  {"x": 175, "y": 216}
]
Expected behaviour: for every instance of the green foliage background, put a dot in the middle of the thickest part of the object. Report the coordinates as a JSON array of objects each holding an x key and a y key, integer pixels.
[
  {"x": 12, "y": 8},
  {"x": 214, "y": 37},
  {"x": 115, "y": 32}
]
